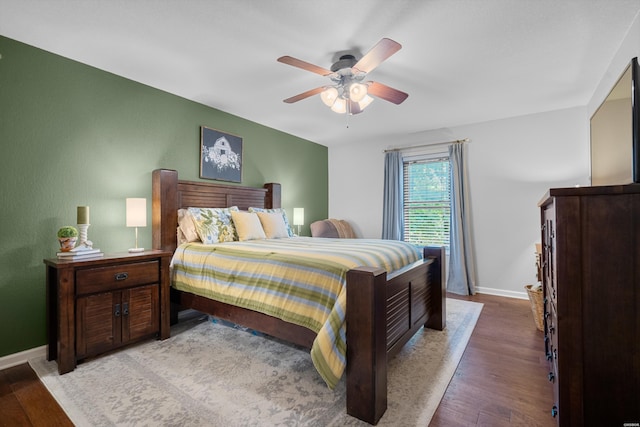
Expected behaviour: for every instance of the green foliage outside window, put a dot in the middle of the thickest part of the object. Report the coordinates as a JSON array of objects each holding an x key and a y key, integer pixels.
[{"x": 427, "y": 202}]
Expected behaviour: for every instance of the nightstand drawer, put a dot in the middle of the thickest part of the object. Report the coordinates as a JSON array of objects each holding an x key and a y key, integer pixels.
[{"x": 94, "y": 280}]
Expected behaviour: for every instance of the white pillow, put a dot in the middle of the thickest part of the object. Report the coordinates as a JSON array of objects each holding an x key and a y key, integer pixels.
[
  {"x": 279, "y": 210},
  {"x": 273, "y": 225},
  {"x": 247, "y": 225},
  {"x": 186, "y": 227}
]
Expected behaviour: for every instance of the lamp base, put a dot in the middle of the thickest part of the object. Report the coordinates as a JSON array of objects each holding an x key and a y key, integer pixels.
[{"x": 136, "y": 249}]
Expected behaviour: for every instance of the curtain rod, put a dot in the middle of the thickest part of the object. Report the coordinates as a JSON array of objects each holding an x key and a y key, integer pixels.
[{"x": 457, "y": 141}]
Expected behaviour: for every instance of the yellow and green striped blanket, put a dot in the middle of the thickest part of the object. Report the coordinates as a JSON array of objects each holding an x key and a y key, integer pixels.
[{"x": 300, "y": 280}]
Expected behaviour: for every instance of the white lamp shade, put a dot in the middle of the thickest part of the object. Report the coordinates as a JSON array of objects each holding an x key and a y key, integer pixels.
[
  {"x": 298, "y": 216},
  {"x": 340, "y": 106},
  {"x": 329, "y": 96},
  {"x": 136, "y": 212},
  {"x": 364, "y": 103},
  {"x": 357, "y": 91}
]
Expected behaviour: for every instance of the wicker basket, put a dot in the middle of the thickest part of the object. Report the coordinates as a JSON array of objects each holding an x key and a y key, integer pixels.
[{"x": 537, "y": 306}]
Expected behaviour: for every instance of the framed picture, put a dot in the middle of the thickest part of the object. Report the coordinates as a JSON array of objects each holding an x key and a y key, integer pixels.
[{"x": 220, "y": 155}]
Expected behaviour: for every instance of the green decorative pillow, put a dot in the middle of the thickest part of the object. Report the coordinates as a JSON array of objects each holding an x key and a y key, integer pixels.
[
  {"x": 278, "y": 210},
  {"x": 214, "y": 225}
]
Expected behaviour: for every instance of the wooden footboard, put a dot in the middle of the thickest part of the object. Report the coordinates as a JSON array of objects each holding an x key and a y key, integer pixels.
[{"x": 383, "y": 313}]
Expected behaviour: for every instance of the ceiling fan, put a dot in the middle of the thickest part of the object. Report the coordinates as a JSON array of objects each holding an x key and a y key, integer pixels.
[{"x": 349, "y": 93}]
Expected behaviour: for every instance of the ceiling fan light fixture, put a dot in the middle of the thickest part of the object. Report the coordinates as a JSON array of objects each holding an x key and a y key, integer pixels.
[
  {"x": 365, "y": 101},
  {"x": 329, "y": 96},
  {"x": 340, "y": 106},
  {"x": 357, "y": 91},
  {"x": 348, "y": 92}
]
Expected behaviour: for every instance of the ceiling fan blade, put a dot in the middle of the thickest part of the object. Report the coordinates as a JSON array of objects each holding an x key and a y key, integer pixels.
[
  {"x": 381, "y": 51},
  {"x": 387, "y": 93},
  {"x": 304, "y": 95},
  {"x": 304, "y": 65}
]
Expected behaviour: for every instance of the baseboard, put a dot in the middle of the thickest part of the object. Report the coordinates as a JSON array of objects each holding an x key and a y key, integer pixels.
[
  {"x": 15, "y": 359},
  {"x": 502, "y": 293},
  {"x": 24, "y": 356}
]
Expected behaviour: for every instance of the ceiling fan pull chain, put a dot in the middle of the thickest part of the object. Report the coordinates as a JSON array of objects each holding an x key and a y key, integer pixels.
[{"x": 348, "y": 112}]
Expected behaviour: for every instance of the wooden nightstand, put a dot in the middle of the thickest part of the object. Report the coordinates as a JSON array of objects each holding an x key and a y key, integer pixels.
[{"x": 97, "y": 305}]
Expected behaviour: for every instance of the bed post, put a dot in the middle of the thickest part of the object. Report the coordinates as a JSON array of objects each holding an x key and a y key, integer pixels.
[
  {"x": 367, "y": 343},
  {"x": 438, "y": 310},
  {"x": 164, "y": 216},
  {"x": 273, "y": 196}
]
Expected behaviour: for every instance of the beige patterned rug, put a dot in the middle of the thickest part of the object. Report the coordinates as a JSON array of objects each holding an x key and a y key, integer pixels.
[{"x": 209, "y": 374}]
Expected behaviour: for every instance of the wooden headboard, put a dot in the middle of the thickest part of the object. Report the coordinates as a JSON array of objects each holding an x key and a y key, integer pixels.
[{"x": 171, "y": 194}]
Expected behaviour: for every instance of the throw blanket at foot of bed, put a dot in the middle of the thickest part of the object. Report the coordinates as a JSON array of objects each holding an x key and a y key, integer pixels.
[{"x": 300, "y": 280}]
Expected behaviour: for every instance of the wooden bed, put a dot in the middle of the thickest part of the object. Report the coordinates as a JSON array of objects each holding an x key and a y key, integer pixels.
[{"x": 383, "y": 310}]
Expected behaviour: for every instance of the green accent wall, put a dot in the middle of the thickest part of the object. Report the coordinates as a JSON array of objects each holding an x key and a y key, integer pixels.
[{"x": 73, "y": 135}]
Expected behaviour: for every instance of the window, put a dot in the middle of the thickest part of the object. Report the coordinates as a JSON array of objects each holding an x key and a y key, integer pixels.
[{"x": 427, "y": 200}]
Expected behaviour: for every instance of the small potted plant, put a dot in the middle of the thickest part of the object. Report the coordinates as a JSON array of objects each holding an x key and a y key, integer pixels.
[{"x": 67, "y": 236}]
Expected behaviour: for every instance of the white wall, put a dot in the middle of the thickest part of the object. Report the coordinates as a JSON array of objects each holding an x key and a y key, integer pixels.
[
  {"x": 512, "y": 163},
  {"x": 629, "y": 48}
]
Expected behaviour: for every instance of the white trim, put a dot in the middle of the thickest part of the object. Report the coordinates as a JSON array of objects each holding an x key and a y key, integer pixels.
[
  {"x": 15, "y": 359},
  {"x": 502, "y": 293}
]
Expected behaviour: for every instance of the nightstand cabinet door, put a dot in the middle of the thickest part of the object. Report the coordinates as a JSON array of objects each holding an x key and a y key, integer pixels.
[
  {"x": 140, "y": 316},
  {"x": 109, "y": 320},
  {"x": 98, "y": 325}
]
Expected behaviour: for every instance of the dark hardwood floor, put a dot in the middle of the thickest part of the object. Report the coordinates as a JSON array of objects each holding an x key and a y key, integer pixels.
[
  {"x": 24, "y": 400},
  {"x": 501, "y": 379}
]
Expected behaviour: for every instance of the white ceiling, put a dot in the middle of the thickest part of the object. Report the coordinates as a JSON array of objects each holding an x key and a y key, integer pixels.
[{"x": 462, "y": 61}]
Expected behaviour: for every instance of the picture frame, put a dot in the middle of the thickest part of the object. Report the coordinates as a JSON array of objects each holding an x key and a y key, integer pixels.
[{"x": 220, "y": 155}]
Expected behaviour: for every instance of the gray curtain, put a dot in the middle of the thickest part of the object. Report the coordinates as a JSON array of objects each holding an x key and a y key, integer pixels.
[
  {"x": 462, "y": 268},
  {"x": 392, "y": 223}
]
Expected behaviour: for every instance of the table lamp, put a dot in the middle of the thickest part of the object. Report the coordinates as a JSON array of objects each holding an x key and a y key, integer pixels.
[
  {"x": 136, "y": 217},
  {"x": 298, "y": 217}
]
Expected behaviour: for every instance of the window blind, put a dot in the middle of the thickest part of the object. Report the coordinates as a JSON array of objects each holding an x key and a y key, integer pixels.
[{"x": 427, "y": 201}]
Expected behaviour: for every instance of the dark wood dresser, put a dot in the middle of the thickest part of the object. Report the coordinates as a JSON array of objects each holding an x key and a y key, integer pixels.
[{"x": 591, "y": 276}]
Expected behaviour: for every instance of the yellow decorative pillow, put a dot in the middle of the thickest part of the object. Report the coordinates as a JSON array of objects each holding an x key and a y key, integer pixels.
[
  {"x": 278, "y": 210},
  {"x": 247, "y": 225},
  {"x": 273, "y": 225}
]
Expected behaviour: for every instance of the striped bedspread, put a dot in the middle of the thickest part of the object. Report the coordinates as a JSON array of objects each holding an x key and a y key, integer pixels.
[{"x": 300, "y": 280}]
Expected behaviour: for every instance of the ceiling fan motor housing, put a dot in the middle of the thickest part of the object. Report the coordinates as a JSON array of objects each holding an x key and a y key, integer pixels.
[
  {"x": 345, "y": 61},
  {"x": 344, "y": 75}
]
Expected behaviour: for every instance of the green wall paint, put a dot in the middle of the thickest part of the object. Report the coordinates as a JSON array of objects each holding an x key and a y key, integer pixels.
[{"x": 73, "y": 135}]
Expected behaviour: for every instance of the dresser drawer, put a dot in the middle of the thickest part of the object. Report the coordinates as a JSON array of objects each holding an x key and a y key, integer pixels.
[{"x": 92, "y": 280}]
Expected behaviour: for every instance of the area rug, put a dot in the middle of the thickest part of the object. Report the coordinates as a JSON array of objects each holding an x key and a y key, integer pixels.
[{"x": 210, "y": 374}]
